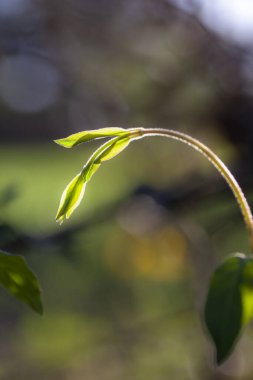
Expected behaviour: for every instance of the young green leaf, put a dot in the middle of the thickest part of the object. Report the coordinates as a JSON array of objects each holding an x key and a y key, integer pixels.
[
  {"x": 74, "y": 192},
  {"x": 20, "y": 281},
  {"x": 229, "y": 304},
  {"x": 107, "y": 151},
  {"x": 81, "y": 137},
  {"x": 71, "y": 198}
]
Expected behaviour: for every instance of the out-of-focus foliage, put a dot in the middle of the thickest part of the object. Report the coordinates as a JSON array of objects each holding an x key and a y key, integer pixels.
[
  {"x": 19, "y": 280},
  {"x": 229, "y": 303}
]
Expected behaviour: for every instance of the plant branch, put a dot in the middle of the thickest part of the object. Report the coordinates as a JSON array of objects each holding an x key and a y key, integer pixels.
[{"x": 217, "y": 163}]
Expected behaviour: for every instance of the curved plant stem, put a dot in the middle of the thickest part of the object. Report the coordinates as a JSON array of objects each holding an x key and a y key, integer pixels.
[{"x": 218, "y": 164}]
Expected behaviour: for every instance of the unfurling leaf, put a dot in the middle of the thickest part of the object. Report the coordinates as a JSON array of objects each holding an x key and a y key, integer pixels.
[
  {"x": 71, "y": 198},
  {"x": 107, "y": 151},
  {"x": 81, "y": 137},
  {"x": 229, "y": 304},
  {"x": 20, "y": 281},
  {"x": 74, "y": 192}
]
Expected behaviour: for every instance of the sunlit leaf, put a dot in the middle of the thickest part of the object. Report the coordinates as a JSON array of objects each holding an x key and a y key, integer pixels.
[
  {"x": 247, "y": 291},
  {"x": 74, "y": 192},
  {"x": 71, "y": 198},
  {"x": 105, "y": 153},
  {"x": 81, "y": 137},
  {"x": 229, "y": 304},
  {"x": 118, "y": 144},
  {"x": 20, "y": 281}
]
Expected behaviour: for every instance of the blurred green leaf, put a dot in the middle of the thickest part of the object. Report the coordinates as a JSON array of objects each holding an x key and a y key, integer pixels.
[
  {"x": 81, "y": 137},
  {"x": 20, "y": 281},
  {"x": 247, "y": 291},
  {"x": 74, "y": 192},
  {"x": 229, "y": 304}
]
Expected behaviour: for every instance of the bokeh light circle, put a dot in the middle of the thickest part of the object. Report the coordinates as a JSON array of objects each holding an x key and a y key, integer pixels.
[{"x": 28, "y": 83}]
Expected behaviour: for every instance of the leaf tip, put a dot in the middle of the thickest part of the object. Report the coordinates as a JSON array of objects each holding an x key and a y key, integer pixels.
[
  {"x": 62, "y": 142},
  {"x": 59, "y": 219},
  {"x": 221, "y": 356}
]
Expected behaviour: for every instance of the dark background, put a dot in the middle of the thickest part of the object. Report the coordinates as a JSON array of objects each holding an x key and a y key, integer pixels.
[{"x": 124, "y": 280}]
